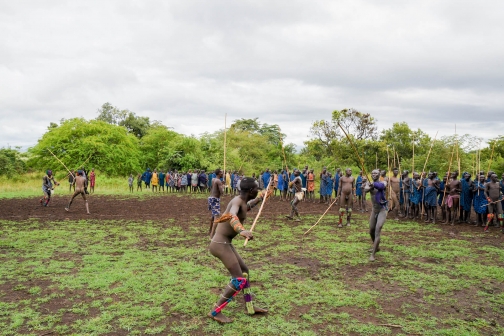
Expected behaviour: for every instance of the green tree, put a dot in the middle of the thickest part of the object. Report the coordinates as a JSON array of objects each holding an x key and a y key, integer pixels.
[
  {"x": 134, "y": 124},
  {"x": 11, "y": 162},
  {"x": 110, "y": 148}
]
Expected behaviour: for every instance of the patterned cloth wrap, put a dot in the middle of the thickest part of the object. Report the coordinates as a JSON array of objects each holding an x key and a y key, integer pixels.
[{"x": 214, "y": 205}]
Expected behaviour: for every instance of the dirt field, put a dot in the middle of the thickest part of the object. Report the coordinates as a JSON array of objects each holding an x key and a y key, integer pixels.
[{"x": 398, "y": 300}]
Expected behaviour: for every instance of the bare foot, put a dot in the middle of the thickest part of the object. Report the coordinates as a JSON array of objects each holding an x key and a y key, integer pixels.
[
  {"x": 297, "y": 220},
  {"x": 340, "y": 225},
  {"x": 371, "y": 250},
  {"x": 348, "y": 224},
  {"x": 258, "y": 310},
  {"x": 289, "y": 217},
  {"x": 221, "y": 318},
  {"x": 67, "y": 210},
  {"x": 372, "y": 258}
]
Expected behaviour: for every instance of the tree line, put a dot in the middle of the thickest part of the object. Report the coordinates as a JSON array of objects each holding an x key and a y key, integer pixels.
[{"x": 119, "y": 142}]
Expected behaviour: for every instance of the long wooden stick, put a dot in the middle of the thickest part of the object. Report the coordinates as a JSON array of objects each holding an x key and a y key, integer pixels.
[
  {"x": 491, "y": 158},
  {"x": 259, "y": 212},
  {"x": 356, "y": 152},
  {"x": 225, "y": 131},
  {"x": 458, "y": 157},
  {"x": 82, "y": 165},
  {"x": 448, "y": 176},
  {"x": 335, "y": 200},
  {"x": 388, "y": 175},
  {"x": 413, "y": 167},
  {"x": 428, "y": 155},
  {"x": 61, "y": 163}
]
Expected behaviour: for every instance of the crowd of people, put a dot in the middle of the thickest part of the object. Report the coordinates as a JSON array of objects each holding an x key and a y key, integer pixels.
[{"x": 453, "y": 199}]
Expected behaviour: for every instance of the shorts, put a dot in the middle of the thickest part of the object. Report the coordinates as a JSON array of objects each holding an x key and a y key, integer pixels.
[
  {"x": 299, "y": 195},
  {"x": 214, "y": 205}
]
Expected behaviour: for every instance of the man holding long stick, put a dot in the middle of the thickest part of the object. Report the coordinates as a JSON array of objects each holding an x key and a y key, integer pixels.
[
  {"x": 379, "y": 210},
  {"x": 228, "y": 226},
  {"x": 298, "y": 196},
  {"x": 47, "y": 187}
]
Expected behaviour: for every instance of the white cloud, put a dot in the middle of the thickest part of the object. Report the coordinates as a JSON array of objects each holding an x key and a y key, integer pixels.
[{"x": 187, "y": 63}]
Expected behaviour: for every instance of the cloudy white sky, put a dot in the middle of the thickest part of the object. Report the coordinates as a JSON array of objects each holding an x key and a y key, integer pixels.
[{"x": 187, "y": 63}]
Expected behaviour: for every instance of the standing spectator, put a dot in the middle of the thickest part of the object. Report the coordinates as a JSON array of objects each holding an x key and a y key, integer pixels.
[
  {"x": 161, "y": 176},
  {"x": 71, "y": 177},
  {"x": 266, "y": 177},
  {"x": 203, "y": 179},
  {"x": 184, "y": 182},
  {"x": 154, "y": 180},
  {"x": 146, "y": 177},
  {"x": 194, "y": 181},
  {"x": 92, "y": 180},
  {"x": 130, "y": 183},
  {"x": 139, "y": 182}
]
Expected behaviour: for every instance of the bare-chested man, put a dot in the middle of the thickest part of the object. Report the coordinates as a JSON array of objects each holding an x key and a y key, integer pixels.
[
  {"x": 453, "y": 189},
  {"x": 395, "y": 189},
  {"x": 297, "y": 185},
  {"x": 493, "y": 195},
  {"x": 79, "y": 182},
  {"x": 227, "y": 227},
  {"x": 214, "y": 199},
  {"x": 345, "y": 195},
  {"x": 379, "y": 211}
]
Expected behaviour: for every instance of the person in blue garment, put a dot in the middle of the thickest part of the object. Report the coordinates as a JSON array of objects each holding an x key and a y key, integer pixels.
[
  {"x": 161, "y": 176},
  {"x": 146, "y": 177},
  {"x": 337, "y": 176},
  {"x": 465, "y": 198},
  {"x": 430, "y": 198},
  {"x": 416, "y": 195},
  {"x": 323, "y": 187},
  {"x": 479, "y": 200},
  {"x": 266, "y": 177},
  {"x": 280, "y": 184},
  {"x": 501, "y": 183},
  {"x": 329, "y": 187},
  {"x": 303, "y": 176},
  {"x": 358, "y": 190}
]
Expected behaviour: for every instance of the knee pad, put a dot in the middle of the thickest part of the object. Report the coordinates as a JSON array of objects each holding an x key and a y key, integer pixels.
[
  {"x": 342, "y": 210},
  {"x": 349, "y": 211}
]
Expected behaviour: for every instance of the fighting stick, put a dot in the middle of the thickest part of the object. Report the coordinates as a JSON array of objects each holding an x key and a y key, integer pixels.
[{"x": 259, "y": 212}]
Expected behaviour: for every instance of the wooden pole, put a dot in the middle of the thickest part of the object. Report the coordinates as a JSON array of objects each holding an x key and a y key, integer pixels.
[
  {"x": 335, "y": 200},
  {"x": 428, "y": 154},
  {"x": 376, "y": 159},
  {"x": 388, "y": 175},
  {"x": 448, "y": 176},
  {"x": 61, "y": 163},
  {"x": 356, "y": 152},
  {"x": 259, "y": 212},
  {"x": 458, "y": 157},
  {"x": 491, "y": 158},
  {"x": 413, "y": 163},
  {"x": 225, "y": 131}
]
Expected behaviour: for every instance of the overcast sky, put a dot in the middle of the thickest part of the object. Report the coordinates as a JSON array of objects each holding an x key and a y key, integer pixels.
[{"x": 187, "y": 63}]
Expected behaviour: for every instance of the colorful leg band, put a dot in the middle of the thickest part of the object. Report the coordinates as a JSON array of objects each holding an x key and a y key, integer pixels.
[
  {"x": 239, "y": 284},
  {"x": 247, "y": 295},
  {"x": 500, "y": 217},
  {"x": 342, "y": 210},
  {"x": 490, "y": 217},
  {"x": 349, "y": 211}
]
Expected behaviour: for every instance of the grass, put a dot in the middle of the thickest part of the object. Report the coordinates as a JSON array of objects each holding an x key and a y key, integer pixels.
[{"x": 158, "y": 278}]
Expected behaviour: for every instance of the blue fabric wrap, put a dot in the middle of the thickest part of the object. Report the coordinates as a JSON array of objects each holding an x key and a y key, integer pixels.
[
  {"x": 441, "y": 192},
  {"x": 329, "y": 186},
  {"x": 323, "y": 185},
  {"x": 480, "y": 200},
  {"x": 303, "y": 180},
  {"x": 280, "y": 182},
  {"x": 266, "y": 177},
  {"x": 430, "y": 196},
  {"x": 416, "y": 195},
  {"x": 466, "y": 195},
  {"x": 358, "y": 186},
  {"x": 336, "y": 181}
]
